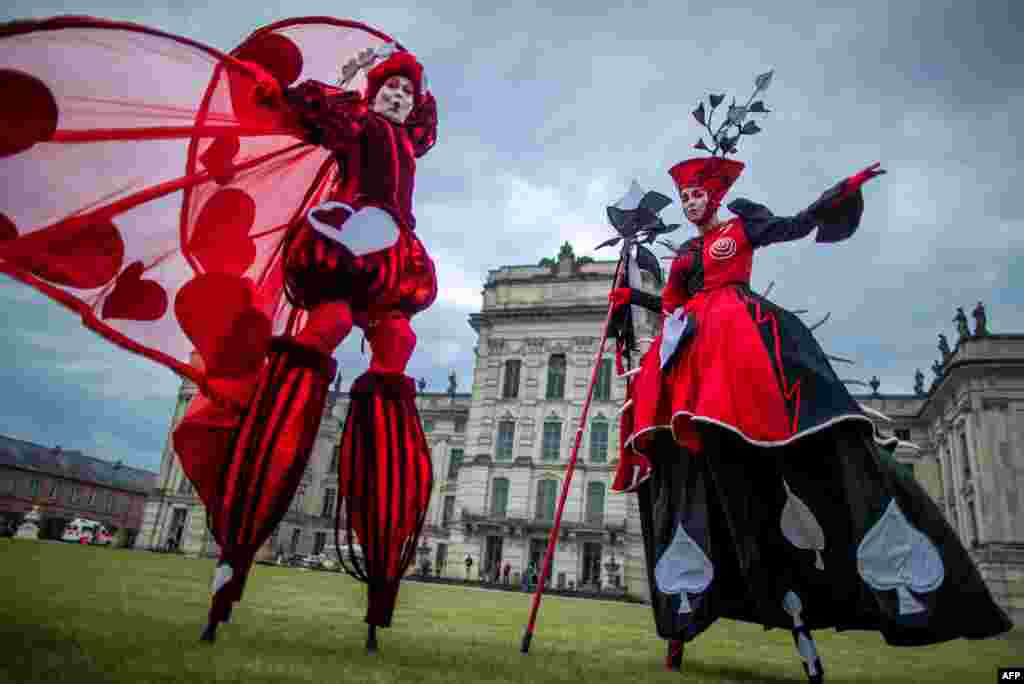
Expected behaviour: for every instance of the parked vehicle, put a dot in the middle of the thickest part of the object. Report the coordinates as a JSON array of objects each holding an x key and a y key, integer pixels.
[
  {"x": 296, "y": 561},
  {"x": 85, "y": 531},
  {"x": 323, "y": 561}
]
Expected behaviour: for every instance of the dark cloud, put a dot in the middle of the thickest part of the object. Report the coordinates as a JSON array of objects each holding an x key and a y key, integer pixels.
[{"x": 547, "y": 113}]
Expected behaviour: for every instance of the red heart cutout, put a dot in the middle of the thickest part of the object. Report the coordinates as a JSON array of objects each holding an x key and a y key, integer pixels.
[
  {"x": 218, "y": 158},
  {"x": 28, "y": 112},
  {"x": 220, "y": 237},
  {"x": 215, "y": 312},
  {"x": 135, "y": 299},
  {"x": 276, "y": 53},
  {"x": 333, "y": 217},
  {"x": 8, "y": 231},
  {"x": 83, "y": 252}
]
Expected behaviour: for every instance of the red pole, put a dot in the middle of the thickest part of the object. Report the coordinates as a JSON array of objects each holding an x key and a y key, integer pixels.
[{"x": 528, "y": 635}]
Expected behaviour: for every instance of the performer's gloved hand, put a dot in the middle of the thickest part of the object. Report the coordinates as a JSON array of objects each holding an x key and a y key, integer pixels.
[
  {"x": 853, "y": 183},
  {"x": 619, "y": 297}
]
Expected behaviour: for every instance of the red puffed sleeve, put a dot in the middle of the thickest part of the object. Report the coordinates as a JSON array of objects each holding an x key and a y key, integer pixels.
[{"x": 334, "y": 118}]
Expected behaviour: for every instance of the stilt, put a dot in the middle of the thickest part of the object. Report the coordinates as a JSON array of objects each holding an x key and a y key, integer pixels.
[
  {"x": 385, "y": 480},
  {"x": 674, "y": 659},
  {"x": 209, "y": 633},
  {"x": 268, "y": 455},
  {"x": 803, "y": 640}
]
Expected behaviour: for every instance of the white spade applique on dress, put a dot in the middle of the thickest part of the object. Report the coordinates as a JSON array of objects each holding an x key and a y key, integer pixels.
[
  {"x": 683, "y": 568},
  {"x": 800, "y": 527},
  {"x": 896, "y": 555},
  {"x": 673, "y": 329}
]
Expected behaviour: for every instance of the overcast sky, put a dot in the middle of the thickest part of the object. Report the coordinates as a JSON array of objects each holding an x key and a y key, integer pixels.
[{"x": 545, "y": 117}]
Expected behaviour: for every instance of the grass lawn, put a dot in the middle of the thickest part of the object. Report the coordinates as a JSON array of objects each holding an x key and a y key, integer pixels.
[{"x": 81, "y": 614}]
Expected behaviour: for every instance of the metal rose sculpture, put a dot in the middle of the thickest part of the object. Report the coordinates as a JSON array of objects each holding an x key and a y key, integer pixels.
[{"x": 735, "y": 123}]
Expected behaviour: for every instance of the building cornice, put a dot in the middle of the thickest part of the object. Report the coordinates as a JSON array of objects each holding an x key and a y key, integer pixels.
[{"x": 488, "y": 317}]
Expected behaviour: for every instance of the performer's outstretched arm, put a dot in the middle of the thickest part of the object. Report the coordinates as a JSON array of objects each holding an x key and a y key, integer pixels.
[{"x": 836, "y": 214}]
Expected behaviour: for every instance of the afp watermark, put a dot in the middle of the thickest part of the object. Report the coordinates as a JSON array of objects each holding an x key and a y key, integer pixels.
[{"x": 1011, "y": 674}]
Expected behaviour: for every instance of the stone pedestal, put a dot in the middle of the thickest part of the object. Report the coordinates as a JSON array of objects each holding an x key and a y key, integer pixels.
[
  {"x": 612, "y": 579},
  {"x": 29, "y": 528}
]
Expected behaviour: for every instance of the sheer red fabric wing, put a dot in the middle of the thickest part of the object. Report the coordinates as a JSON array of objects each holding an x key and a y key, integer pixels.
[{"x": 148, "y": 187}]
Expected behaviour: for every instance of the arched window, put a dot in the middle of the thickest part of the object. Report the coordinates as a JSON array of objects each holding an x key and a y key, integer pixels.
[
  {"x": 603, "y": 386},
  {"x": 556, "y": 377},
  {"x": 506, "y": 435},
  {"x": 454, "y": 463},
  {"x": 510, "y": 387},
  {"x": 552, "y": 439},
  {"x": 499, "y": 497},
  {"x": 448, "y": 511},
  {"x": 547, "y": 490},
  {"x": 595, "y": 504},
  {"x": 599, "y": 440}
]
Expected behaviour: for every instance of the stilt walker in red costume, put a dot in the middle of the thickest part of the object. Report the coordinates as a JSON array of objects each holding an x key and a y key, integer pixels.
[
  {"x": 766, "y": 494},
  {"x": 254, "y": 221}
]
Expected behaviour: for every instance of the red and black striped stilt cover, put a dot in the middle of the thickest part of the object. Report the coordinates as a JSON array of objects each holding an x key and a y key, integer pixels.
[
  {"x": 385, "y": 481},
  {"x": 248, "y": 492}
]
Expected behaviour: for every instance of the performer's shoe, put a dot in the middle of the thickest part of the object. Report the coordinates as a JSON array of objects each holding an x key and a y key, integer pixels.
[{"x": 674, "y": 659}]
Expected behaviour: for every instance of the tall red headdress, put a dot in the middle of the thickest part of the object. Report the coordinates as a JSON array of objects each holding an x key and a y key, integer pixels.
[
  {"x": 399, "y": 64},
  {"x": 714, "y": 174}
]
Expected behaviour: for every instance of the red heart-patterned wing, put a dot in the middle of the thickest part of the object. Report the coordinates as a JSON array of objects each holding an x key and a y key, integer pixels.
[{"x": 138, "y": 164}]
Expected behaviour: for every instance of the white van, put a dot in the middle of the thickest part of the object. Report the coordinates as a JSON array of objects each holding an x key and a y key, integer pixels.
[{"x": 85, "y": 531}]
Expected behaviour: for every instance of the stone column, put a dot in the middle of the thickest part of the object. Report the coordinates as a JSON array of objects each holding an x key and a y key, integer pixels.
[
  {"x": 975, "y": 501},
  {"x": 937, "y": 456},
  {"x": 952, "y": 495}
]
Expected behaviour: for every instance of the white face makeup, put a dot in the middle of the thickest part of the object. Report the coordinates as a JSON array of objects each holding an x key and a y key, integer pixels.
[
  {"x": 394, "y": 99},
  {"x": 695, "y": 202}
]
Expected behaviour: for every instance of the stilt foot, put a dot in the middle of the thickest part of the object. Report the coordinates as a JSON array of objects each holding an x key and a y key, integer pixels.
[
  {"x": 209, "y": 633},
  {"x": 674, "y": 659},
  {"x": 371, "y": 639}
]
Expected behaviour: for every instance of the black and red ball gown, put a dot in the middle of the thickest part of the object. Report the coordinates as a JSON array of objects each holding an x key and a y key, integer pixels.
[{"x": 765, "y": 493}]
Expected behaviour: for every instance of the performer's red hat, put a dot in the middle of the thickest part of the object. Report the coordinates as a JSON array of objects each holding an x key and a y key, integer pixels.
[
  {"x": 714, "y": 174},
  {"x": 398, "y": 64}
]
